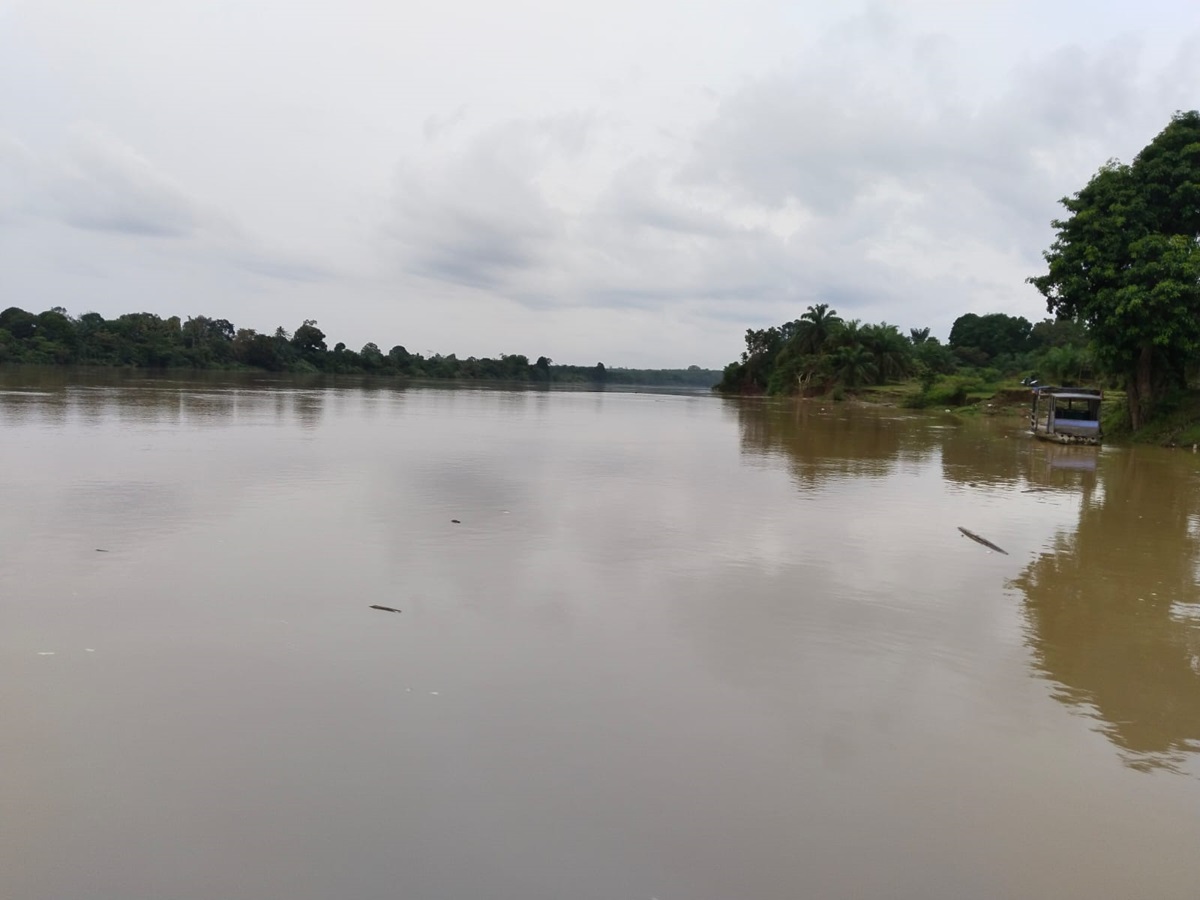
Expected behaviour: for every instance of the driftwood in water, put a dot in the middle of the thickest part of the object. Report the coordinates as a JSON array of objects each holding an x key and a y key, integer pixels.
[
  {"x": 981, "y": 540},
  {"x": 384, "y": 608}
]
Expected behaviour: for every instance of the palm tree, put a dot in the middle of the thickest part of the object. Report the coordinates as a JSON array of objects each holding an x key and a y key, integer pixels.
[
  {"x": 846, "y": 334},
  {"x": 815, "y": 326},
  {"x": 891, "y": 351},
  {"x": 853, "y": 365}
]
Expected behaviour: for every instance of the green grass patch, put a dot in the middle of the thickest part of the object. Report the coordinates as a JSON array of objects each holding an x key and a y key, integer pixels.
[
  {"x": 895, "y": 394},
  {"x": 1175, "y": 424},
  {"x": 953, "y": 391}
]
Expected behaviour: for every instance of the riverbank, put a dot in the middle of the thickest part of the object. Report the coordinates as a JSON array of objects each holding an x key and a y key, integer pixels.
[
  {"x": 1176, "y": 425},
  {"x": 555, "y": 377}
]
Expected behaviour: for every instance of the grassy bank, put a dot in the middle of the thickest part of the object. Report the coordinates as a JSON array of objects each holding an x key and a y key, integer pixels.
[
  {"x": 963, "y": 394},
  {"x": 1176, "y": 425}
]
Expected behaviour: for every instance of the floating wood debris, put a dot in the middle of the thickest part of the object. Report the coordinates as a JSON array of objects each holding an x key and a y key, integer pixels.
[
  {"x": 384, "y": 608},
  {"x": 456, "y": 521},
  {"x": 981, "y": 540}
]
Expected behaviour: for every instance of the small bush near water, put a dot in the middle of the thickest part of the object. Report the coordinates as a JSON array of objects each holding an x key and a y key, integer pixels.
[{"x": 951, "y": 390}]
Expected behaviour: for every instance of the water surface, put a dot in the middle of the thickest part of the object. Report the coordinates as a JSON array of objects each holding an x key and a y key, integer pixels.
[{"x": 676, "y": 647}]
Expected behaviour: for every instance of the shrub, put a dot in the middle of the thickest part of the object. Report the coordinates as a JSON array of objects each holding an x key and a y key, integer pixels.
[{"x": 949, "y": 390}]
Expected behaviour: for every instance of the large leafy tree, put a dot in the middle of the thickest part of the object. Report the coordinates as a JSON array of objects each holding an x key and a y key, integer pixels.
[
  {"x": 752, "y": 374},
  {"x": 309, "y": 338},
  {"x": 991, "y": 335},
  {"x": 1127, "y": 263}
]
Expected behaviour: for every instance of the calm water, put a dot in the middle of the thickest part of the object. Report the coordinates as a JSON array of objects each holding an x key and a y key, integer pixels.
[{"x": 677, "y": 648}]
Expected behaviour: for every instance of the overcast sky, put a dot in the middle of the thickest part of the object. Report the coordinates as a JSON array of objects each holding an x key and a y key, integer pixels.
[{"x": 629, "y": 182}]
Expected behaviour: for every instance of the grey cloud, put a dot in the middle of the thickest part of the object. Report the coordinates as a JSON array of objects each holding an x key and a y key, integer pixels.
[
  {"x": 491, "y": 217},
  {"x": 635, "y": 197},
  {"x": 655, "y": 252},
  {"x": 18, "y": 168},
  {"x": 864, "y": 177},
  {"x": 434, "y": 126},
  {"x": 476, "y": 217},
  {"x": 790, "y": 137},
  {"x": 567, "y": 133},
  {"x": 98, "y": 184},
  {"x": 478, "y": 243},
  {"x": 921, "y": 202},
  {"x": 280, "y": 267},
  {"x": 720, "y": 170},
  {"x": 107, "y": 186}
]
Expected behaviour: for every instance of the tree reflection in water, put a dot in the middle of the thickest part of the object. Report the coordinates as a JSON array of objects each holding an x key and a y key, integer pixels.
[
  {"x": 1114, "y": 609},
  {"x": 839, "y": 442}
]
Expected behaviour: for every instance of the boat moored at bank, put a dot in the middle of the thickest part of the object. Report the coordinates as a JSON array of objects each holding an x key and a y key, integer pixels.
[{"x": 1066, "y": 415}]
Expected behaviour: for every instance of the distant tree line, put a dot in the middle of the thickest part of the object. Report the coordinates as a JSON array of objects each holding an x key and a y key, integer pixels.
[
  {"x": 147, "y": 341},
  {"x": 820, "y": 352}
]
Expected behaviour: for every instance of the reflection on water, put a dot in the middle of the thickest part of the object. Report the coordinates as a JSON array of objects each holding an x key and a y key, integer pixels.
[
  {"x": 824, "y": 443},
  {"x": 673, "y": 646},
  {"x": 1112, "y": 604},
  {"x": 55, "y": 397}
]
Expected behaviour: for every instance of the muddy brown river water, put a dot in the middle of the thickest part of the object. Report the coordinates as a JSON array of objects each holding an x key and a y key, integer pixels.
[{"x": 674, "y": 647}]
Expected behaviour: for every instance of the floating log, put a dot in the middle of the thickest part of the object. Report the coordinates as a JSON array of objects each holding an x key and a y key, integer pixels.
[
  {"x": 981, "y": 540},
  {"x": 384, "y": 608}
]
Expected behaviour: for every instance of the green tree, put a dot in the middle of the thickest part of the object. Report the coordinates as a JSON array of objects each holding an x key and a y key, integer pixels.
[
  {"x": 980, "y": 339},
  {"x": 207, "y": 340},
  {"x": 815, "y": 326},
  {"x": 803, "y": 340},
  {"x": 146, "y": 340},
  {"x": 891, "y": 352},
  {"x": 309, "y": 339},
  {"x": 753, "y": 373},
  {"x": 853, "y": 365},
  {"x": 20, "y": 324},
  {"x": 258, "y": 350},
  {"x": 1126, "y": 262},
  {"x": 932, "y": 357},
  {"x": 371, "y": 357},
  {"x": 60, "y": 334},
  {"x": 1058, "y": 333}
]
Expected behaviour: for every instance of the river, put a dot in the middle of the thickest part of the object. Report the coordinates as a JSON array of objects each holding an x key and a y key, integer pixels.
[{"x": 650, "y": 646}]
